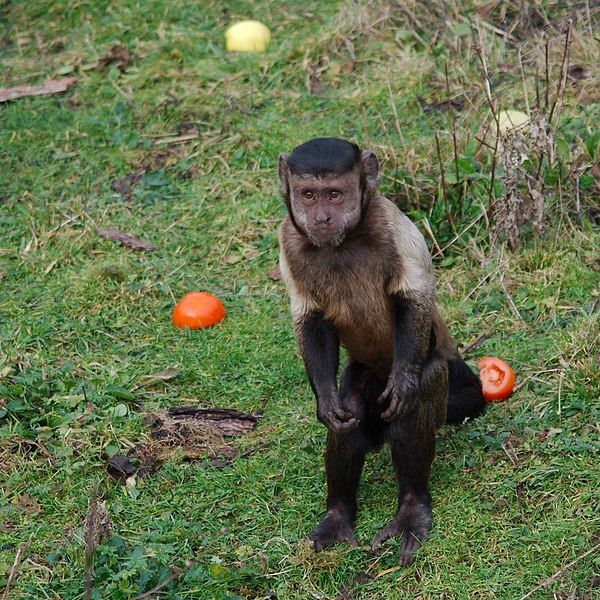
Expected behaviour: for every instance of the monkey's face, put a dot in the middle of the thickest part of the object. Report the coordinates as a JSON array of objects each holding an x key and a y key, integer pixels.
[{"x": 326, "y": 208}]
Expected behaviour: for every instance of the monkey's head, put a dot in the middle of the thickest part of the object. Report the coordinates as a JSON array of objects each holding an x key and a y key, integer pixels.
[{"x": 327, "y": 184}]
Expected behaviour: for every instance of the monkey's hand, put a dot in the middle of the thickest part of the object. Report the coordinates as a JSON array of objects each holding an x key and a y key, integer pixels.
[
  {"x": 331, "y": 413},
  {"x": 402, "y": 392}
]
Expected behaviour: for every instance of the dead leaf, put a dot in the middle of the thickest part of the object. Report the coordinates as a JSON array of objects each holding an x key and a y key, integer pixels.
[
  {"x": 96, "y": 530},
  {"x": 97, "y": 525},
  {"x": 314, "y": 85},
  {"x": 453, "y": 103},
  {"x": 7, "y": 526},
  {"x": 120, "y": 467},
  {"x": 117, "y": 54},
  {"x": 588, "y": 97},
  {"x": 231, "y": 258},
  {"x": 165, "y": 375},
  {"x": 274, "y": 274},
  {"x": 125, "y": 240},
  {"x": 578, "y": 72},
  {"x": 52, "y": 86},
  {"x": 28, "y": 505},
  {"x": 124, "y": 185}
]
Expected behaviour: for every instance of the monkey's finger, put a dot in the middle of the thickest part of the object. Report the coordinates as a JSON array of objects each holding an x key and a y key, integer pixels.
[
  {"x": 341, "y": 414},
  {"x": 347, "y": 426},
  {"x": 384, "y": 395},
  {"x": 391, "y": 414}
]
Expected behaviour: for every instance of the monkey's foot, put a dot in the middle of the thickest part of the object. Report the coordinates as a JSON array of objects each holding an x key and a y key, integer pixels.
[
  {"x": 334, "y": 528},
  {"x": 413, "y": 530}
]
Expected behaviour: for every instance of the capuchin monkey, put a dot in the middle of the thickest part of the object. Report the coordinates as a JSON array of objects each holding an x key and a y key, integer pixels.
[{"x": 359, "y": 274}]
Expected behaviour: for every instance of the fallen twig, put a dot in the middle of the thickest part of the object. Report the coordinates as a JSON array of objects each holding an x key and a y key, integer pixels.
[
  {"x": 476, "y": 342},
  {"x": 558, "y": 573},
  {"x": 176, "y": 140},
  {"x": 125, "y": 240},
  {"x": 52, "y": 86},
  {"x": 511, "y": 304},
  {"x": 12, "y": 573},
  {"x": 174, "y": 576}
]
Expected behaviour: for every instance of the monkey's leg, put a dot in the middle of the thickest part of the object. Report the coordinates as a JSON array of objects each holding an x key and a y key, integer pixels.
[
  {"x": 344, "y": 459},
  {"x": 412, "y": 442}
]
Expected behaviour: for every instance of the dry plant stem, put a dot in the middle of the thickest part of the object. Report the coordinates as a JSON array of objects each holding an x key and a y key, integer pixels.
[
  {"x": 444, "y": 193},
  {"x": 511, "y": 304},
  {"x": 453, "y": 123},
  {"x": 174, "y": 576},
  {"x": 564, "y": 68},
  {"x": 537, "y": 87},
  {"x": 404, "y": 144},
  {"x": 488, "y": 94},
  {"x": 523, "y": 82},
  {"x": 558, "y": 573},
  {"x": 547, "y": 72},
  {"x": 484, "y": 279},
  {"x": 12, "y": 573},
  {"x": 427, "y": 228},
  {"x": 458, "y": 235},
  {"x": 493, "y": 173}
]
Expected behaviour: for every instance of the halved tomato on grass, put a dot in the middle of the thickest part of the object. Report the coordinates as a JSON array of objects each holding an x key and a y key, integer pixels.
[{"x": 497, "y": 379}]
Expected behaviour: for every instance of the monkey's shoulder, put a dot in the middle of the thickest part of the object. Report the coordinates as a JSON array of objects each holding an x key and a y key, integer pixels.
[{"x": 384, "y": 215}]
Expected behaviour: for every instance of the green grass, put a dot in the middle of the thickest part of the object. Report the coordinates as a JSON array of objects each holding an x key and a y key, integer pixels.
[{"x": 83, "y": 320}]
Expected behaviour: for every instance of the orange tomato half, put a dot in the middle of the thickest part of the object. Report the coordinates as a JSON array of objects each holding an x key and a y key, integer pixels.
[
  {"x": 497, "y": 379},
  {"x": 198, "y": 309}
]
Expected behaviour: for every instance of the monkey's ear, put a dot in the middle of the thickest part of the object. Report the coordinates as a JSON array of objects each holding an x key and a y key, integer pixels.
[
  {"x": 284, "y": 174},
  {"x": 370, "y": 167}
]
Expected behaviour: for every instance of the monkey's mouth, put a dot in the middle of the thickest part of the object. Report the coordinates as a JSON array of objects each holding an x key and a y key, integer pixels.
[{"x": 326, "y": 236}]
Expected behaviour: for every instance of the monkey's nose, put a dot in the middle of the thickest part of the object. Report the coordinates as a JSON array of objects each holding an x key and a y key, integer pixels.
[{"x": 323, "y": 220}]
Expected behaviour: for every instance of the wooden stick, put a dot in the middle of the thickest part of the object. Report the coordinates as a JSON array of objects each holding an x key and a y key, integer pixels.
[
  {"x": 175, "y": 575},
  {"x": 558, "y": 573},
  {"x": 12, "y": 573},
  {"x": 53, "y": 86}
]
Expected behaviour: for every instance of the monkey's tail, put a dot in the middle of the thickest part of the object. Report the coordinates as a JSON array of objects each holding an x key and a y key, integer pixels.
[{"x": 465, "y": 396}]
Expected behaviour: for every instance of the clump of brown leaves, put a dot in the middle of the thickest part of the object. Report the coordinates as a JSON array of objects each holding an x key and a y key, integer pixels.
[
  {"x": 521, "y": 151},
  {"x": 96, "y": 530}
]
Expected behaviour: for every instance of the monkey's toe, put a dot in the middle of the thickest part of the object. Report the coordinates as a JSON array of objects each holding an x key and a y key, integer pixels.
[
  {"x": 334, "y": 528},
  {"x": 412, "y": 538},
  {"x": 410, "y": 544}
]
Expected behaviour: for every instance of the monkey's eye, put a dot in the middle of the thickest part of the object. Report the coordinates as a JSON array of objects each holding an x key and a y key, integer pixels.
[
  {"x": 308, "y": 195},
  {"x": 335, "y": 195}
]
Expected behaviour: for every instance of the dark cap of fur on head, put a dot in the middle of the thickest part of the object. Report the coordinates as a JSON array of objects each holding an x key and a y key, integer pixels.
[{"x": 324, "y": 156}]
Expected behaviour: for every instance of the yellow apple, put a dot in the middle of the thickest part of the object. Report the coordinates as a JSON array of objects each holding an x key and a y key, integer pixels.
[
  {"x": 247, "y": 36},
  {"x": 511, "y": 119}
]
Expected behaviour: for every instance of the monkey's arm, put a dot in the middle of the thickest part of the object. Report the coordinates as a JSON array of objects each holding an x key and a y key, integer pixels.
[
  {"x": 320, "y": 347},
  {"x": 411, "y": 333},
  {"x": 411, "y": 291}
]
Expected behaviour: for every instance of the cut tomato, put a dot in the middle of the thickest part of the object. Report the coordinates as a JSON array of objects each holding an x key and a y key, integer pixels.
[
  {"x": 497, "y": 379},
  {"x": 198, "y": 309}
]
